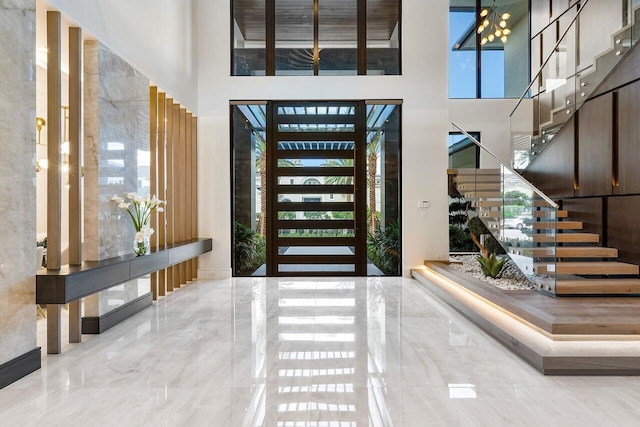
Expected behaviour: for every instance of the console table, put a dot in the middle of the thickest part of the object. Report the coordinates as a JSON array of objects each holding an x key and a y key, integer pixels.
[{"x": 73, "y": 282}]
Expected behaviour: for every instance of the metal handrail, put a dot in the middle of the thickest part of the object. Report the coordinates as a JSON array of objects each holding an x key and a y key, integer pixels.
[
  {"x": 553, "y": 51},
  {"x": 509, "y": 168}
]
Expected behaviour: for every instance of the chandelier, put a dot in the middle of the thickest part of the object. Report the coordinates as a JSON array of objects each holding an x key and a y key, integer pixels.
[{"x": 494, "y": 24}]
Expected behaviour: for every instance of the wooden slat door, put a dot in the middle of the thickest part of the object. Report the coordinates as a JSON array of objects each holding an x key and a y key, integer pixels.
[{"x": 316, "y": 184}]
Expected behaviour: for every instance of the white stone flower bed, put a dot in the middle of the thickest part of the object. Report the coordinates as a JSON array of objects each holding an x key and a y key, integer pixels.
[{"x": 510, "y": 280}]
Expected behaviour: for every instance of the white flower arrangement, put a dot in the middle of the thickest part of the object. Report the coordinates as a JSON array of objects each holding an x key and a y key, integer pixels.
[{"x": 140, "y": 209}]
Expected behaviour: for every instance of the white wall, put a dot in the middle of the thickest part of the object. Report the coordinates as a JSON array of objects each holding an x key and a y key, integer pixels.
[
  {"x": 423, "y": 87},
  {"x": 157, "y": 37},
  {"x": 490, "y": 117}
]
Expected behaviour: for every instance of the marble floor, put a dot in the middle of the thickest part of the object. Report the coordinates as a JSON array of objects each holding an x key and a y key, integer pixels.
[{"x": 310, "y": 353}]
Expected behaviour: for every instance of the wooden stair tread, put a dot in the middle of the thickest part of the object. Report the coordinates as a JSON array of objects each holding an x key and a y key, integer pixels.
[
  {"x": 467, "y": 186},
  {"x": 463, "y": 179},
  {"x": 472, "y": 171},
  {"x": 559, "y": 225},
  {"x": 597, "y": 286},
  {"x": 547, "y": 213},
  {"x": 572, "y": 252},
  {"x": 567, "y": 238},
  {"x": 541, "y": 203},
  {"x": 482, "y": 194},
  {"x": 588, "y": 268},
  {"x": 488, "y": 203}
]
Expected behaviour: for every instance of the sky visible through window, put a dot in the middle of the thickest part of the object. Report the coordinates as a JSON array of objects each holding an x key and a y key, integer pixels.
[{"x": 462, "y": 64}]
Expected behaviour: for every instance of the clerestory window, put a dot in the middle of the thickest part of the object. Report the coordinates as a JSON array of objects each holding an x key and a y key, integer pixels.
[{"x": 315, "y": 37}]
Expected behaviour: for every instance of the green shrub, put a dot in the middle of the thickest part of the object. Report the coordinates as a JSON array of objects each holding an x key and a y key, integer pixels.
[
  {"x": 493, "y": 246},
  {"x": 460, "y": 240},
  {"x": 491, "y": 266},
  {"x": 249, "y": 250},
  {"x": 383, "y": 248}
]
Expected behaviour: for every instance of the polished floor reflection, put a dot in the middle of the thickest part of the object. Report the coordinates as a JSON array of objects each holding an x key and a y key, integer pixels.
[{"x": 346, "y": 352}]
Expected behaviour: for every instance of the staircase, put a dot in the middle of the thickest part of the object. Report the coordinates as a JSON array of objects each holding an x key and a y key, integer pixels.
[
  {"x": 551, "y": 249},
  {"x": 556, "y": 104}
]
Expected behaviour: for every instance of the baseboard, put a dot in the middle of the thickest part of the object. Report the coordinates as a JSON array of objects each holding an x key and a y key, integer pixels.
[
  {"x": 224, "y": 273},
  {"x": 19, "y": 367},
  {"x": 97, "y": 325}
]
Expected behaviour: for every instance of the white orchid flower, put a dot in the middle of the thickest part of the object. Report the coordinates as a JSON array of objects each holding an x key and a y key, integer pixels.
[
  {"x": 131, "y": 196},
  {"x": 117, "y": 198},
  {"x": 124, "y": 205}
]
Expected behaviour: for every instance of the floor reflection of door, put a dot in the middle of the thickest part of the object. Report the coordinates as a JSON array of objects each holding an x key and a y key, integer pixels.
[{"x": 316, "y": 175}]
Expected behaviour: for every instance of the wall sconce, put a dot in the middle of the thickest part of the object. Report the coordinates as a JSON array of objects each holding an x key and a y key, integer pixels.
[
  {"x": 64, "y": 149},
  {"x": 40, "y": 123}
]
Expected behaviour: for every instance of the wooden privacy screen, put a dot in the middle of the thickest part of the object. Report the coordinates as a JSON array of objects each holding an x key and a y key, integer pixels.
[{"x": 173, "y": 147}]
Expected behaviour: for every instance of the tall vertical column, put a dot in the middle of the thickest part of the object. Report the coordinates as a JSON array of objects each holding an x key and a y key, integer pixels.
[
  {"x": 54, "y": 97},
  {"x": 194, "y": 190},
  {"x": 182, "y": 188},
  {"x": 54, "y": 213},
  {"x": 75, "y": 170},
  {"x": 153, "y": 189},
  {"x": 170, "y": 206},
  {"x": 178, "y": 125},
  {"x": 161, "y": 185},
  {"x": 188, "y": 185}
]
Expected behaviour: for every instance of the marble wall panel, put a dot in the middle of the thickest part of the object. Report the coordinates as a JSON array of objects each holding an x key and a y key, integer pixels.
[
  {"x": 116, "y": 162},
  {"x": 17, "y": 178}
]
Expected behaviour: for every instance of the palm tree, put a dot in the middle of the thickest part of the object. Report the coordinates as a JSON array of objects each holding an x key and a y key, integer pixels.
[
  {"x": 261, "y": 166},
  {"x": 373, "y": 150},
  {"x": 340, "y": 180}
]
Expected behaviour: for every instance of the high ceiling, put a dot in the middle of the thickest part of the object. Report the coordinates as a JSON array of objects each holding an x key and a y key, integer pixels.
[{"x": 337, "y": 19}]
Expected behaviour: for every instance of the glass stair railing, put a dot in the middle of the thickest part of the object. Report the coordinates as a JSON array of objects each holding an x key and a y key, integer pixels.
[
  {"x": 567, "y": 78},
  {"x": 517, "y": 214}
]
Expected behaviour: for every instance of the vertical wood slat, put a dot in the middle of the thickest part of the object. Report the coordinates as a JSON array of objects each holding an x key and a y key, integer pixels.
[
  {"x": 194, "y": 192},
  {"x": 169, "y": 207},
  {"x": 181, "y": 185},
  {"x": 187, "y": 191},
  {"x": 161, "y": 186},
  {"x": 176, "y": 188},
  {"x": 75, "y": 145},
  {"x": 54, "y": 105},
  {"x": 187, "y": 181},
  {"x": 153, "y": 136}
]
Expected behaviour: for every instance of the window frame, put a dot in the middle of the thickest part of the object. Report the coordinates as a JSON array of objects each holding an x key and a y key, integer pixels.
[
  {"x": 270, "y": 38},
  {"x": 478, "y": 46}
]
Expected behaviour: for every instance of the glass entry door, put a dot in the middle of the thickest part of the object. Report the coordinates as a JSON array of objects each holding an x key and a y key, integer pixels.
[{"x": 316, "y": 183}]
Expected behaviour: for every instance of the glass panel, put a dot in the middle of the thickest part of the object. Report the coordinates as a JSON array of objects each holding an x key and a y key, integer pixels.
[
  {"x": 249, "y": 37},
  {"x": 316, "y": 232},
  {"x": 334, "y": 163},
  {"x": 316, "y": 127},
  {"x": 463, "y": 154},
  {"x": 338, "y": 38},
  {"x": 249, "y": 201},
  {"x": 294, "y": 38},
  {"x": 462, "y": 57},
  {"x": 316, "y": 250},
  {"x": 308, "y": 180},
  {"x": 509, "y": 219},
  {"x": 383, "y": 189},
  {"x": 342, "y": 110},
  {"x": 316, "y": 268},
  {"x": 315, "y": 145},
  {"x": 383, "y": 37},
  {"x": 319, "y": 198}
]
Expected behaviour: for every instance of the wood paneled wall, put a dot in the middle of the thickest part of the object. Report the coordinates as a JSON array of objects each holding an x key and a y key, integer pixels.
[
  {"x": 600, "y": 149},
  {"x": 173, "y": 169}
]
